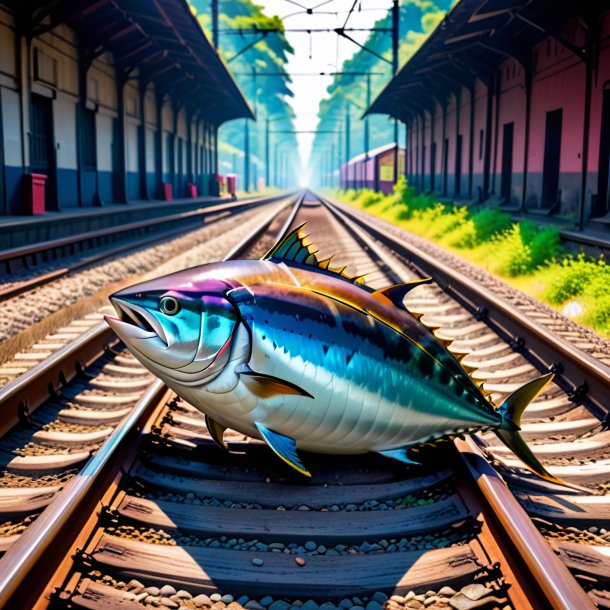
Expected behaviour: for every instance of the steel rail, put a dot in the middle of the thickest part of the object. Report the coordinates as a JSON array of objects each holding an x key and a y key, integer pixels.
[
  {"x": 21, "y": 559},
  {"x": 23, "y": 395},
  {"x": 586, "y": 377},
  {"x": 561, "y": 588},
  {"x": 553, "y": 577},
  {"x": 6, "y": 256},
  {"x": 12, "y": 253}
]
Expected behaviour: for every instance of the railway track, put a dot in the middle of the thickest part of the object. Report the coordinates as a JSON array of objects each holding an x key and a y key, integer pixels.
[
  {"x": 26, "y": 267},
  {"x": 566, "y": 427},
  {"x": 59, "y": 413},
  {"x": 73, "y": 290},
  {"x": 160, "y": 517}
]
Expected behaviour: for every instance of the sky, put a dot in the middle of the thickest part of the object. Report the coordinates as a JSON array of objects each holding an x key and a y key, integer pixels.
[{"x": 319, "y": 52}]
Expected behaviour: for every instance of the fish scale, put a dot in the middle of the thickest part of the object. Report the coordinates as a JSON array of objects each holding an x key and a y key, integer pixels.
[{"x": 296, "y": 352}]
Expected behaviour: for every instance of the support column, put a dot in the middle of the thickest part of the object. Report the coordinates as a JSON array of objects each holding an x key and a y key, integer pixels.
[
  {"x": 457, "y": 179},
  {"x": 444, "y": 152},
  {"x": 23, "y": 48},
  {"x": 80, "y": 110},
  {"x": 410, "y": 149},
  {"x": 496, "y": 128},
  {"x": 142, "y": 141},
  {"x": 423, "y": 151},
  {"x": 189, "y": 146},
  {"x": 172, "y": 156},
  {"x": 432, "y": 148},
  {"x": 119, "y": 168},
  {"x": 158, "y": 143},
  {"x": 591, "y": 42},
  {"x": 526, "y": 144},
  {"x": 487, "y": 159},
  {"x": 471, "y": 140}
]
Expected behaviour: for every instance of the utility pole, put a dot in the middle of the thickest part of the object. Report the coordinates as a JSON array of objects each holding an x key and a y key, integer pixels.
[
  {"x": 347, "y": 130},
  {"x": 215, "y": 23},
  {"x": 395, "y": 36}
]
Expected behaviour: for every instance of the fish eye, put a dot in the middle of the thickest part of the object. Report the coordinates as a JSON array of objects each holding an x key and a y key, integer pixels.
[{"x": 169, "y": 306}]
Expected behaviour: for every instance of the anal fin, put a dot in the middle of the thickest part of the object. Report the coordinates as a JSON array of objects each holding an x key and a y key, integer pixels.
[
  {"x": 284, "y": 447},
  {"x": 216, "y": 431},
  {"x": 399, "y": 454}
]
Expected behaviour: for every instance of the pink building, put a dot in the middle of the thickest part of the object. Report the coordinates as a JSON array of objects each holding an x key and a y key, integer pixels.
[{"x": 509, "y": 102}]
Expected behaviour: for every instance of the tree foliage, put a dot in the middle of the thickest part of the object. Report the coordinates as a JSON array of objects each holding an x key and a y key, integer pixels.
[
  {"x": 348, "y": 93},
  {"x": 268, "y": 96}
]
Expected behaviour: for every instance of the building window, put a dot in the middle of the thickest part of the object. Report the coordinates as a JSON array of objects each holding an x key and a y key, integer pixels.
[
  {"x": 481, "y": 138},
  {"x": 88, "y": 139}
]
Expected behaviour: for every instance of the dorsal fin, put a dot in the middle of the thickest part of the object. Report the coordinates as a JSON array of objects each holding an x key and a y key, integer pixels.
[
  {"x": 396, "y": 293},
  {"x": 293, "y": 248}
]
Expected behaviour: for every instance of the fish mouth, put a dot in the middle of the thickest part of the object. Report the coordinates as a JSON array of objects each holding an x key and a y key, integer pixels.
[{"x": 134, "y": 322}]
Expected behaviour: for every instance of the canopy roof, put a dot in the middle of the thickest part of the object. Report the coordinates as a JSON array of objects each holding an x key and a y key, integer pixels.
[
  {"x": 476, "y": 36},
  {"x": 161, "y": 38},
  {"x": 375, "y": 152}
]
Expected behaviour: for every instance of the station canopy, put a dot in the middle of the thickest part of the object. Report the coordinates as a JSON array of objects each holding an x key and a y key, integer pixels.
[
  {"x": 476, "y": 36},
  {"x": 162, "y": 39}
]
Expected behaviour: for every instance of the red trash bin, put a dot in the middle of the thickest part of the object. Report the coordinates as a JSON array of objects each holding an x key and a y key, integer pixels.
[
  {"x": 167, "y": 191},
  {"x": 220, "y": 179},
  {"x": 34, "y": 193},
  {"x": 232, "y": 184},
  {"x": 192, "y": 190}
]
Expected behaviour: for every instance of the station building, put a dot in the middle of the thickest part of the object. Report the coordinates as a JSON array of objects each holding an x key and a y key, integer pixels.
[
  {"x": 509, "y": 102},
  {"x": 111, "y": 100}
]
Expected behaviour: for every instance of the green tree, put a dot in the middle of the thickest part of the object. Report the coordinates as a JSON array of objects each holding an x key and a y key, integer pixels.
[
  {"x": 268, "y": 96},
  {"x": 348, "y": 93}
]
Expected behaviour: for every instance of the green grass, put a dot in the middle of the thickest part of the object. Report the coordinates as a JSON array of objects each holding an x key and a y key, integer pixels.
[{"x": 526, "y": 255}]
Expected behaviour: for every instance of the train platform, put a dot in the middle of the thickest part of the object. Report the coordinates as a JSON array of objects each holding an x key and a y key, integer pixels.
[
  {"x": 16, "y": 231},
  {"x": 594, "y": 238}
]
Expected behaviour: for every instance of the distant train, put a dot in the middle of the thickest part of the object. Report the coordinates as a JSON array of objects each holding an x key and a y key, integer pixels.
[{"x": 373, "y": 170}]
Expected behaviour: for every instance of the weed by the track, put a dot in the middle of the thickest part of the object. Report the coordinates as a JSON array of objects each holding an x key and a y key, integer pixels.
[{"x": 526, "y": 255}]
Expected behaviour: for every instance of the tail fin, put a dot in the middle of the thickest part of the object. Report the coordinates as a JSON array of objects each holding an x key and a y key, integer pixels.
[{"x": 511, "y": 410}]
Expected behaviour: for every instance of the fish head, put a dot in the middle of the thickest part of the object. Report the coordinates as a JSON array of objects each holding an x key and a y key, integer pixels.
[{"x": 177, "y": 329}]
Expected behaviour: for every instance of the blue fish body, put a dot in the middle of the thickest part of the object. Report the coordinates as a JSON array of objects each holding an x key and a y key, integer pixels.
[{"x": 293, "y": 352}]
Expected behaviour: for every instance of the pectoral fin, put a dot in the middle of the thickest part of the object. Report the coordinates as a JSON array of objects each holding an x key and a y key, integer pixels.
[
  {"x": 284, "y": 447},
  {"x": 266, "y": 386},
  {"x": 400, "y": 455},
  {"x": 216, "y": 431}
]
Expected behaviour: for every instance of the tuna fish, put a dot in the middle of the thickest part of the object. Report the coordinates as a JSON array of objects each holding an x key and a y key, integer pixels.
[{"x": 298, "y": 354}]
